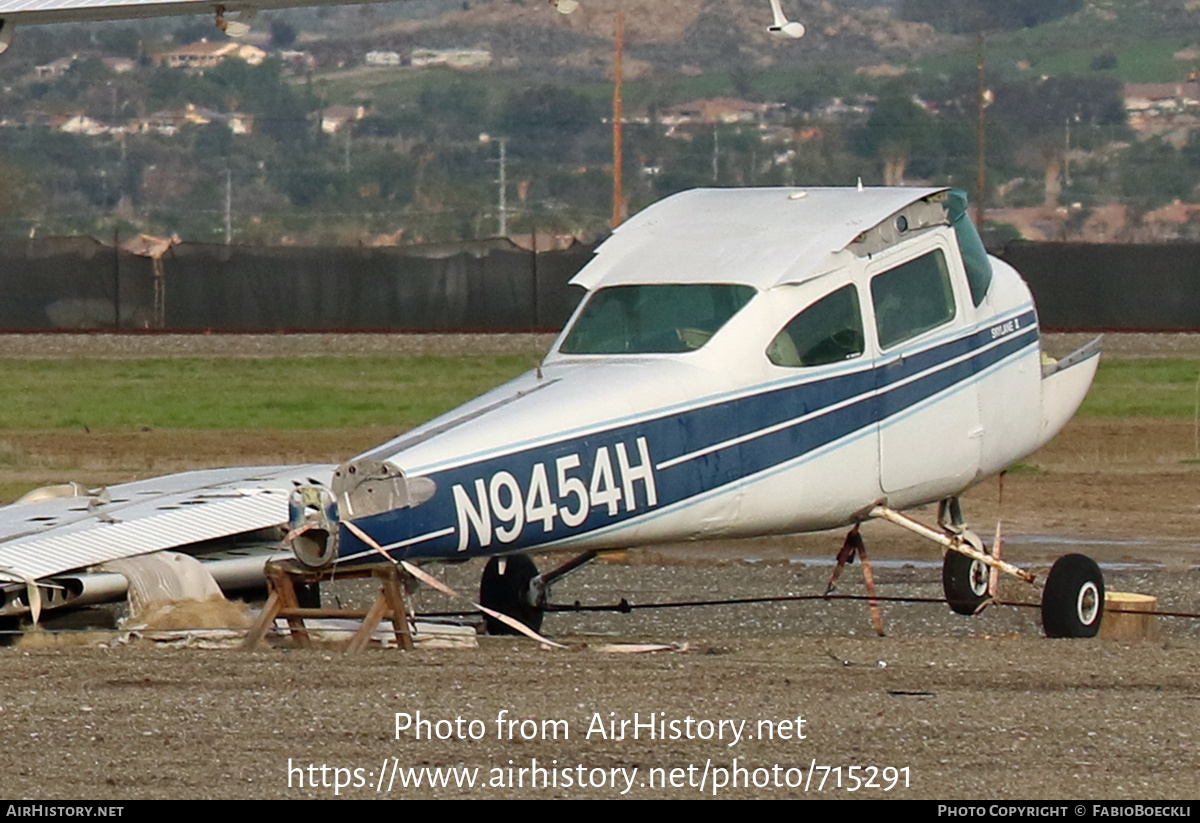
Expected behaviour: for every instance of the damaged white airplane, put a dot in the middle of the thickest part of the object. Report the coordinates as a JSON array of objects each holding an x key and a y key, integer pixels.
[{"x": 745, "y": 362}]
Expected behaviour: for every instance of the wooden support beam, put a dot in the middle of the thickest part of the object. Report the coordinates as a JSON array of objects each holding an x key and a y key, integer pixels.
[{"x": 282, "y": 577}]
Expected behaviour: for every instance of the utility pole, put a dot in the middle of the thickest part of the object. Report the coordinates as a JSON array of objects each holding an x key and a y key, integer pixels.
[
  {"x": 981, "y": 140},
  {"x": 716, "y": 149},
  {"x": 620, "y": 209},
  {"x": 117, "y": 277},
  {"x": 1067, "y": 154},
  {"x": 502, "y": 227},
  {"x": 504, "y": 187}
]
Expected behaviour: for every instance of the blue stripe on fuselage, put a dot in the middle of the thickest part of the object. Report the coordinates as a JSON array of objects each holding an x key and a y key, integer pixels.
[{"x": 767, "y": 429}]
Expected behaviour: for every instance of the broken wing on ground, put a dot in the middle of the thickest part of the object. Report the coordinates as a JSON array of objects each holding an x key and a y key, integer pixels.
[{"x": 56, "y": 534}]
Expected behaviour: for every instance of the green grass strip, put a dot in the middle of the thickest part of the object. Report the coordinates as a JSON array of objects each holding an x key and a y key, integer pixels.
[
  {"x": 283, "y": 393},
  {"x": 342, "y": 392},
  {"x": 1143, "y": 388}
]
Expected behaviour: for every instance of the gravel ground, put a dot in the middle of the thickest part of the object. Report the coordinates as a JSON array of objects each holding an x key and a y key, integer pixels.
[
  {"x": 958, "y": 708},
  {"x": 53, "y": 345},
  {"x": 942, "y": 707},
  {"x": 135, "y": 346},
  {"x": 979, "y": 707}
]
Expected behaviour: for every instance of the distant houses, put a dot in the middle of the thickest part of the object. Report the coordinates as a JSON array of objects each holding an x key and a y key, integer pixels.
[
  {"x": 296, "y": 59},
  {"x": 382, "y": 58},
  {"x": 59, "y": 67},
  {"x": 453, "y": 58},
  {"x": 79, "y": 124},
  {"x": 171, "y": 121},
  {"x": 1161, "y": 97},
  {"x": 718, "y": 110},
  {"x": 335, "y": 118},
  {"x": 680, "y": 121},
  {"x": 55, "y": 68},
  {"x": 1167, "y": 110},
  {"x": 427, "y": 58},
  {"x": 167, "y": 122},
  {"x": 205, "y": 55},
  {"x": 193, "y": 56}
]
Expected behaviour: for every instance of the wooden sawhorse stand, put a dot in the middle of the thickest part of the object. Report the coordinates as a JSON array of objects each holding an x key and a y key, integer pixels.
[{"x": 282, "y": 577}]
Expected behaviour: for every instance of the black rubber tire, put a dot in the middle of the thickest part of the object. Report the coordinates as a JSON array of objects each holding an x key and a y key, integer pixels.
[
  {"x": 1073, "y": 600},
  {"x": 506, "y": 593},
  {"x": 964, "y": 582}
]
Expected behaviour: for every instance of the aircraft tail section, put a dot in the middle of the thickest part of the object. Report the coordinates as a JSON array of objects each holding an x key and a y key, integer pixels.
[{"x": 1064, "y": 385}]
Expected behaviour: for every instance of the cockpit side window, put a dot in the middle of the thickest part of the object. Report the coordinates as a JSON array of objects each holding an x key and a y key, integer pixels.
[
  {"x": 912, "y": 298},
  {"x": 653, "y": 319},
  {"x": 828, "y": 331}
]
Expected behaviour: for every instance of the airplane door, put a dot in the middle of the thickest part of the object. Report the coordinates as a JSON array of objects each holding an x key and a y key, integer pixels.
[{"x": 927, "y": 412}]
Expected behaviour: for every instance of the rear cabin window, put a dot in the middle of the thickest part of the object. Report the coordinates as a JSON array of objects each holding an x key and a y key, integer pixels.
[
  {"x": 654, "y": 319},
  {"x": 828, "y": 331},
  {"x": 912, "y": 298}
]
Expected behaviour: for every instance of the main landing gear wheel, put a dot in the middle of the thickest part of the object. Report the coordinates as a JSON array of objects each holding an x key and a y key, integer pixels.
[
  {"x": 504, "y": 587},
  {"x": 964, "y": 582},
  {"x": 1073, "y": 600}
]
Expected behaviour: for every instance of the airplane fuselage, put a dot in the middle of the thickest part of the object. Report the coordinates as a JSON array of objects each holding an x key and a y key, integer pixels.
[{"x": 742, "y": 429}]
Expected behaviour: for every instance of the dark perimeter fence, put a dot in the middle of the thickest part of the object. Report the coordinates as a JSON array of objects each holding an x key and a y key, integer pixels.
[
  {"x": 486, "y": 286},
  {"x": 491, "y": 285}
]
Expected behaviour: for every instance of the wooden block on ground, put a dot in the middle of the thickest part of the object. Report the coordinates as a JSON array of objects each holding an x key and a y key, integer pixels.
[{"x": 1129, "y": 616}]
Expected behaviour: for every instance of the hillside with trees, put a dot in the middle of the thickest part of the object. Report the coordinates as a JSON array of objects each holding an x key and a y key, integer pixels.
[{"x": 384, "y": 124}]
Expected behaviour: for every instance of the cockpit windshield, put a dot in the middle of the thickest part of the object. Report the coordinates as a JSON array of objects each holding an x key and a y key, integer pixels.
[{"x": 653, "y": 319}]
